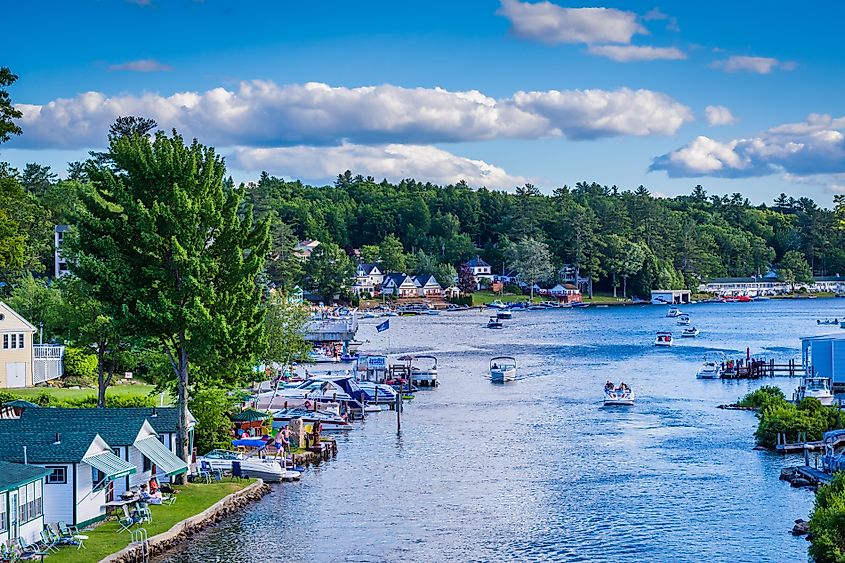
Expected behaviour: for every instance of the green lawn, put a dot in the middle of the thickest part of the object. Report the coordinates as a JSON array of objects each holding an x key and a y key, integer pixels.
[
  {"x": 104, "y": 540},
  {"x": 61, "y": 393},
  {"x": 484, "y": 297}
]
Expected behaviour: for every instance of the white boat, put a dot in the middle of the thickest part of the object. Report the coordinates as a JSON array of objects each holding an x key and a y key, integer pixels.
[
  {"x": 663, "y": 339},
  {"x": 690, "y": 332},
  {"x": 683, "y": 319},
  {"x": 353, "y": 345},
  {"x": 322, "y": 356},
  {"x": 712, "y": 366},
  {"x": 673, "y": 312},
  {"x": 504, "y": 314},
  {"x": 425, "y": 376},
  {"x": 329, "y": 421},
  {"x": 618, "y": 396},
  {"x": 817, "y": 388},
  {"x": 502, "y": 368},
  {"x": 270, "y": 469},
  {"x": 495, "y": 323},
  {"x": 497, "y": 304}
]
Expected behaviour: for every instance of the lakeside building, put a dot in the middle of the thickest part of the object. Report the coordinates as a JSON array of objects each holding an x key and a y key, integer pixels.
[
  {"x": 566, "y": 293},
  {"x": 368, "y": 280},
  {"x": 303, "y": 249},
  {"x": 670, "y": 296},
  {"x": 21, "y": 502},
  {"x": 823, "y": 355},
  {"x": 769, "y": 285},
  {"x": 480, "y": 269},
  {"x": 428, "y": 287},
  {"x": 399, "y": 285},
  {"x": 23, "y": 363}
]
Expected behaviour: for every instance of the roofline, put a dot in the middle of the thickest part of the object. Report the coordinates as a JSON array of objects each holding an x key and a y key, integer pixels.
[{"x": 20, "y": 318}]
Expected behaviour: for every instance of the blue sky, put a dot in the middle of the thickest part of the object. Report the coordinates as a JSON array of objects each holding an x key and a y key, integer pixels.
[{"x": 495, "y": 92}]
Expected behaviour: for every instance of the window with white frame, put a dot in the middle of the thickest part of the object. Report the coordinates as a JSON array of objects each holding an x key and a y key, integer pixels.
[
  {"x": 57, "y": 476},
  {"x": 13, "y": 340},
  {"x": 30, "y": 501},
  {"x": 3, "y": 514}
]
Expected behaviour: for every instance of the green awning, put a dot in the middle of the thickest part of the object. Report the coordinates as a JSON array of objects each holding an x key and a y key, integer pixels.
[
  {"x": 110, "y": 465},
  {"x": 250, "y": 415},
  {"x": 166, "y": 461},
  {"x": 20, "y": 404}
]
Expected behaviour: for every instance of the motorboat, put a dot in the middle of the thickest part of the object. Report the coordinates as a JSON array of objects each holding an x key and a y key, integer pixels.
[
  {"x": 497, "y": 304},
  {"x": 424, "y": 376},
  {"x": 683, "y": 319},
  {"x": 504, "y": 314},
  {"x": 580, "y": 305},
  {"x": 618, "y": 396},
  {"x": 269, "y": 469},
  {"x": 329, "y": 421},
  {"x": 502, "y": 368},
  {"x": 712, "y": 366},
  {"x": 663, "y": 339},
  {"x": 353, "y": 345},
  {"x": 827, "y": 322},
  {"x": 495, "y": 323},
  {"x": 378, "y": 393},
  {"x": 690, "y": 332},
  {"x": 550, "y": 304},
  {"x": 536, "y": 307},
  {"x": 817, "y": 388},
  {"x": 323, "y": 356},
  {"x": 328, "y": 389},
  {"x": 673, "y": 312}
]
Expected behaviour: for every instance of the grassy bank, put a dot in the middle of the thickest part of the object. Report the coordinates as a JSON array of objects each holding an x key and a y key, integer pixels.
[
  {"x": 191, "y": 500},
  {"x": 63, "y": 394}
]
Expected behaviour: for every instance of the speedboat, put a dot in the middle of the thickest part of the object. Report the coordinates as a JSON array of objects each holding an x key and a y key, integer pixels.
[
  {"x": 495, "y": 323},
  {"x": 690, "y": 332},
  {"x": 673, "y": 312},
  {"x": 378, "y": 393},
  {"x": 663, "y": 339},
  {"x": 711, "y": 368},
  {"x": 269, "y": 469},
  {"x": 322, "y": 356},
  {"x": 817, "y": 388},
  {"x": 618, "y": 396},
  {"x": 580, "y": 305},
  {"x": 329, "y": 421},
  {"x": 497, "y": 304},
  {"x": 683, "y": 319},
  {"x": 424, "y": 376},
  {"x": 502, "y": 368},
  {"x": 827, "y": 322},
  {"x": 504, "y": 314},
  {"x": 342, "y": 389}
]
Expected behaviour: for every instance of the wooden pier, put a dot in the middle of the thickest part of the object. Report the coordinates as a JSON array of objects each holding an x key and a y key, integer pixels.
[{"x": 755, "y": 369}]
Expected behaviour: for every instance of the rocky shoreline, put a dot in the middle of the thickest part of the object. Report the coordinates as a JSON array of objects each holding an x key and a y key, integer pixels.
[{"x": 183, "y": 530}]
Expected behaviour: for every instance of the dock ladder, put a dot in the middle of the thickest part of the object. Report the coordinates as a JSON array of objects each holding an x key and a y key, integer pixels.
[{"x": 139, "y": 538}]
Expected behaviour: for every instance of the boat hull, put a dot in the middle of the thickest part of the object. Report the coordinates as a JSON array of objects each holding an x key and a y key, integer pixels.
[{"x": 502, "y": 375}]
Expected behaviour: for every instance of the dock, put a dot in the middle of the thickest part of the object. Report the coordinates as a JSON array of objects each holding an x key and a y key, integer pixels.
[{"x": 755, "y": 369}]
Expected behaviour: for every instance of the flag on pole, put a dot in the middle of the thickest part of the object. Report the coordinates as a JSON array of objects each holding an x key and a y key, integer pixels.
[{"x": 383, "y": 326}]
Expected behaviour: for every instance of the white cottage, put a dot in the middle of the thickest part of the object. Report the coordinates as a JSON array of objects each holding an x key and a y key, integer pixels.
[
  {"x": 368, "y": 279},
  {"x": 21, "y": 502},
  {"x": 427, "y": 286},
  {"x": 399, "y": 285}
]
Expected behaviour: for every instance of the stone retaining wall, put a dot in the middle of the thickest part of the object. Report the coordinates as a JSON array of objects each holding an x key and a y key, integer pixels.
[{"x": 181, "y": 531}]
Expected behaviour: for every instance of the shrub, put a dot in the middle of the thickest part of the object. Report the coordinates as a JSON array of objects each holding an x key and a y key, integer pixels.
[
  {"x": 758, "y": 398},
  {"x": 827, "y": 522},
  {"x": 781, "y": 417},
  {"x": 513, "y": 288},
  {"x": 79, "y": 362},
  {"x": 214, "y": 428}
]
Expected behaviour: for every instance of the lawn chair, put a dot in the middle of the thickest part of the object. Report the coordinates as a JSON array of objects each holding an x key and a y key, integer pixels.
[
  {"x": 27, "y": 551},
  {"x": 127, "y": 521},
  {"x": 48, "y": 542},
  {"x": 210, "y": 472},
  {"x": 237, "y": 471},
  {"x": 168, "y": 499},
  {"x": 61, "y": 538},
  {"x": 142, "y": 512},
  {"x": 65, "y": 530}
]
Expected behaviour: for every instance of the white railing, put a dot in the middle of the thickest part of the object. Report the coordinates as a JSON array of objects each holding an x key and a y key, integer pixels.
[
  {"x": 48, "y": 352},
  {"x": 47, "y": 362}
]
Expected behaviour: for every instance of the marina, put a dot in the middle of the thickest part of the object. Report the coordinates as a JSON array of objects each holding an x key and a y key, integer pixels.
[{"x": 682, "y": 460}]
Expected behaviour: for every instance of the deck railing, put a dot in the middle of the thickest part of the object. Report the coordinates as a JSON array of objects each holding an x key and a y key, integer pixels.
[{"x": 47, "y": 362}]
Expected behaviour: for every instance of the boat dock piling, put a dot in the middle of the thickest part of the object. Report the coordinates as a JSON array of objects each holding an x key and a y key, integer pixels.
[{"x": 755, "y": 369}]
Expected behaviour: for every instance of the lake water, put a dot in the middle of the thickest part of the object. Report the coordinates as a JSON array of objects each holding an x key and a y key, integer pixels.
[{"x": 537, "y": 469}]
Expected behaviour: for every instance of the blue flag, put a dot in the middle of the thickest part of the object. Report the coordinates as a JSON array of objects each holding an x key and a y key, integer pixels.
[{"x": 383, "y": 326}]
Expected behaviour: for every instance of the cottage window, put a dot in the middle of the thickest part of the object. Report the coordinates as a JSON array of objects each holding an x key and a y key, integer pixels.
[
  {"x": 148, "y": 465},
  {"x": 3, "y": 514},
  {"x": 57, "y": 476},
  {"x": 98, "y": 480},
  {"x": 5, "y": 341}
]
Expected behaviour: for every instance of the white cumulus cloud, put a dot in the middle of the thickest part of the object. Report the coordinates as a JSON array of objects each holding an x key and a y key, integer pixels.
[
  {"x": 719, "y": 115},
  {"x": 264, "y": 114},
  {"x": 550, "y": 23},
  {"x": 758, "y": 65},
  {"x": 392, "y": 161},
  {"x": 815, "y": 147},
  {"x": 630, "y": 53}
]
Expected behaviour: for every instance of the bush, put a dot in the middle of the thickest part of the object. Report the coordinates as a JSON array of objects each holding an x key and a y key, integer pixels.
[
  {"x": 827, "y": 522},
  {"x": 464, "y": 300},
  {"x": 79, "y": 362},
  {"x": 781, "y": 417},
  {"x": 765, "y": 395},
  {"x": 211, "y": 408},
  {"x": 514, "y": 289}
]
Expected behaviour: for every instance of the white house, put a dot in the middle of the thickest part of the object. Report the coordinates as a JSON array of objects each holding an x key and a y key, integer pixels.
[
  {"x": 23, "y": 363},
  {"x": 480, "y": 269},
  {"x": 399, "y": 285},
  {"x": 60, "y": 267},
  {"x": 427, "y": 286},
  {"x": 568, "y": 293},
  {"x": 670, "y": 296},
  {"x": 81, "y": 468},
  {"x": 751, "y": 286},
  {"x": 368, "y": 279},
  {"x": 21, "y": 502},
  {"x": 304, "y": 248}
]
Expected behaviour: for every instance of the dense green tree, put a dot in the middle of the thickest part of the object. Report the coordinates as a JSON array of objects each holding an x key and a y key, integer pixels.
[
  {"x": 283, "y": 324},
  {"x": 392, "y": 254},
  {"x": 794, "y": 269},
  {"x": 328, "y": 271},
  {"x": 163, "y": 245},
  {"x": 8, "y": 112},
  {"x": 532, "y": 259},
  {"x": 39, "y": 303},
  {"x": 37, "y": 179},
  {"x": 370, "y": 253}
]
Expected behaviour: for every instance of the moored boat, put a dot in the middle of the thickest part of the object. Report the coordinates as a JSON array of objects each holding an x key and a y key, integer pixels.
[
  {"x": 618, "y": 396},
  {"x": 690, "y": 332},
  {"x": 504, "y": 314},
  {"x": 497, "y": 304},
  {"x": 495, "y": 323},
  {"x": 502, "y": 368},
  {"x": 422, "y": 375},
  {"x": 712, "y": 366},
  {"x": 329, "y": 421},
  {"x": 663, "y": 339},
  {"x": 817, "y": 388}
]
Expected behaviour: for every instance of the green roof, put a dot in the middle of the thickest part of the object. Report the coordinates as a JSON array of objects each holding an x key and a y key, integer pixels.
[
  {"x": 165, "y": 460},
  {"x": 14, "y": 475},
  {"x": 251, "y": 415},
  {"x": 118, "y": 427},
  {"x": 41, "y": 447}
]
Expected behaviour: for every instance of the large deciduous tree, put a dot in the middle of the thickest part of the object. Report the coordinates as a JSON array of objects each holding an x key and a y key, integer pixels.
[
  {"x": 328, "y": 271},
  {"x": 794, "y": 269},
  {"x": 532, "y": 259},
  {"x": 162, "y": 243},
  {"x": 8, "y": 112},
  {"x": 284, "y": 320}
]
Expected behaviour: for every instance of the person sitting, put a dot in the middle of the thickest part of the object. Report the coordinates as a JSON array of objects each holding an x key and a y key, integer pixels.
[{"x": 149, "y": 498}]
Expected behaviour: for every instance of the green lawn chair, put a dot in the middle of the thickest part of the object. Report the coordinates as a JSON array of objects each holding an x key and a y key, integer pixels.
[{"x": 127, "y": 521}]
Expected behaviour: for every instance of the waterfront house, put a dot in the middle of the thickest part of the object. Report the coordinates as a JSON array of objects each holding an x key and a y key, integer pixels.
[
  {"x": 670, "y": 296},
  {"x": 368, "y": 279},
  {"x": 451, "y": 292},
  {"x": 834, "y": 284},
  {"x": 480, "y": 269},
  {"x": 824, "y": 356},
  {"x": 428, "y": 287},
  {"x": 60, "y": 267},
  {"x": 21, "y": 502},
  {"x": 751, "y": 286},
  {"x": 399, "y": 285},
  {"x": 81, "y": 467},
  {"x": 22, "y": 363},
  {"x": 304, "y": 248},
  {"x": 566, "y": 293}
]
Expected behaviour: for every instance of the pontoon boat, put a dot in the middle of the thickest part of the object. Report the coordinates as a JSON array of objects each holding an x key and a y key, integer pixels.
[
  {"x": 495, "y": 323},
  {"x": 502, "y": 368}
]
